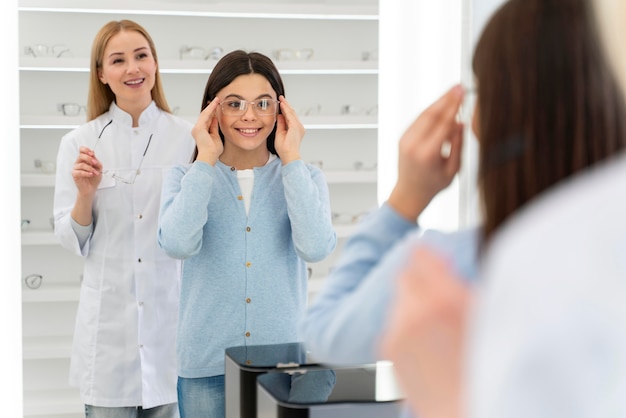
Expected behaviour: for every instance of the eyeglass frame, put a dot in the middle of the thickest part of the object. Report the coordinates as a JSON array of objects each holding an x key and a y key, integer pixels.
[
  {"x": 33, "y": 281},
  {"x": 63, "y": 108},
  {"x": 243, "y": 110},
  {"x": 288, "y": 54},
  {"x": 113, "y": 174},
  {"x": 186, "y": 52},
  {"x": 466, "y": 109},
  {"x": 50, "y": 51}
]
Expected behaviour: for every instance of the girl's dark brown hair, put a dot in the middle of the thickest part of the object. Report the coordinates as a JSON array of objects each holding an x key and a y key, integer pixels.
[
  {"x": 231, "y": 66},
  {"x": 548, "y": 103}
]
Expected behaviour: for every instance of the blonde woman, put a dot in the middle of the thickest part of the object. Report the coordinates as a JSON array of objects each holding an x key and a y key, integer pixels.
[{"x": 106, "y": 207}]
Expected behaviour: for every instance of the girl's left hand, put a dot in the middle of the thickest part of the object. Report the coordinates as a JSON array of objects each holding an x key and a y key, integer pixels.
[
  {"x": 289, "y": 133},
  {"x": 425, "y": 335}
]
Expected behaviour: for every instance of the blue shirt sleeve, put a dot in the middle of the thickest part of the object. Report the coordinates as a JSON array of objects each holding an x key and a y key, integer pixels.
[
  {"x": 345, "y": 321},
  {"x": 345, "y": 318}
]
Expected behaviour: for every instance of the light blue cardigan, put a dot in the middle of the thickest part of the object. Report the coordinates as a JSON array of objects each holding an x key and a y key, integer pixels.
[
  {"x": 345, "y": 322},
  {"x": 244, "y": 277}
]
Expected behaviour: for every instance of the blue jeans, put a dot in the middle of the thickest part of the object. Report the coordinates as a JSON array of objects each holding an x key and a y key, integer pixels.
[
  {"x": 163, "y": 411},
  {"x": 202, "y": 397}
]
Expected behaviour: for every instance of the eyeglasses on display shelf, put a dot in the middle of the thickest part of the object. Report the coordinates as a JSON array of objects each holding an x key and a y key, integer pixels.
[
  {"x": 369, "y": 55},
  {"x": 361, "y": 166},
  {"x": 50, "y": 51},
  {"x": 126, "y": 176},
  {"x": 199, "y": 53},
  {"x": 48, "y": 167},
  {"x": 350, "y": 109},
  {"x": 262, "y": 107},
  {"x": 71, "y": 109},
  {"x": 33, "y": 281},
  {"x": 286, "y": 54},
  {"x": 317, "y": 163},
  {"x": 347, "y": 218},
  {"x": 312, "y": 110}
]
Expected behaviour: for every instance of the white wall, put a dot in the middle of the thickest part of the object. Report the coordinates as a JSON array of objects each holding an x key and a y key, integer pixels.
[
  {"x": 425, "y": 48},
  {"x": 10, "y": 296},
  {"x": 476, "y": 13},
  {"x": 420, "y": 58}
]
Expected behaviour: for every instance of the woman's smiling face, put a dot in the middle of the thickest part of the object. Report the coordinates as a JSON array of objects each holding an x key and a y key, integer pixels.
[{"x": 129, "y": 68}]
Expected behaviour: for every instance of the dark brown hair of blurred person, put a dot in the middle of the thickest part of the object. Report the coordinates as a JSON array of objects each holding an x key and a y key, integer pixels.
[{"x": 548, "y": 104}]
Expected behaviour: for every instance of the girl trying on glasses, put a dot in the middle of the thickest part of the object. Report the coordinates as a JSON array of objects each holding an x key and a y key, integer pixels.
[{"x": 246, "y": 216}]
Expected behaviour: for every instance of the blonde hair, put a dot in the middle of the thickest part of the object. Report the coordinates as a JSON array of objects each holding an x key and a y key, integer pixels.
[{"x": 100, "y": 95}]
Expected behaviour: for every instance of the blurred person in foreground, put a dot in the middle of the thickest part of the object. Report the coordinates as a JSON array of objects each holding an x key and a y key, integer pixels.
[
  {"x": 544, "y": 334},
  {"x": 547, "y": 107}
]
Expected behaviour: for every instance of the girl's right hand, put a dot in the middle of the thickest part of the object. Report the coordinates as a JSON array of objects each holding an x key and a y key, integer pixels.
[
  {"x": 87, "y": 172},
  {"x": 207, "y": 136}
]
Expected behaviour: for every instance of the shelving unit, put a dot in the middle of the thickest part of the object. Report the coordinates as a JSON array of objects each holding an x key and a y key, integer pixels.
[{"x": 335, "y": 93}]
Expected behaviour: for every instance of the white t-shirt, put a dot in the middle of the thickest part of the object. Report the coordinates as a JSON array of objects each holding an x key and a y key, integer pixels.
[{"x": 246, "y": 182}]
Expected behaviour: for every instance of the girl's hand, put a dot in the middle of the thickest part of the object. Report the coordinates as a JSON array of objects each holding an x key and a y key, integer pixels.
[
  {"x": 87, "y": 172},
  {"x": 289, "y": 133},
  {"x": 206, "y": 134},
  {"x": 425, "y": 335},
  {"x": 423, "y": 168}
]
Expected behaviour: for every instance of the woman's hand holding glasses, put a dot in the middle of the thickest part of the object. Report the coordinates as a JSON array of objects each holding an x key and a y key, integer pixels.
[{"x": 87, "y": 172}]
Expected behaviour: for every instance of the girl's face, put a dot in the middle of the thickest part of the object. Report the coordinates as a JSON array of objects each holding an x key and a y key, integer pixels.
[
  {"x": 247, "y": 130},
  {"x": 128, "y": 67}
]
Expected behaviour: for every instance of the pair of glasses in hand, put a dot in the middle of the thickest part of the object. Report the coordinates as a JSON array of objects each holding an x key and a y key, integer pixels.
[{"x": 127, "y": 176}]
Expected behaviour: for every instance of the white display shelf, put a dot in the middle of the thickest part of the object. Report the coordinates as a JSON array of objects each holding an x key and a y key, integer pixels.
[
  {"x": 360, "y": 176},
  {"x": 191, "y": 66},
  {"x": 330, "y": 122},
  {"x": 46, "y": 347},
  {"x": 309, "y": 10},
  {"x": 51, "y": 293},
  {"x": 47, "y": 180},
  {"x": 39, "y": 237},
  {"x": 38, "y": 180},
  {"x": 60, "y": 402},
  {"x": 344, "y": 231}
]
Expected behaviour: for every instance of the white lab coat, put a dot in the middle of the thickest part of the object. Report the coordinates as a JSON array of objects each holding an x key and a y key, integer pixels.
[
  {"x": 123, "y": 351},
  {"x": 548, "y": 335}
]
